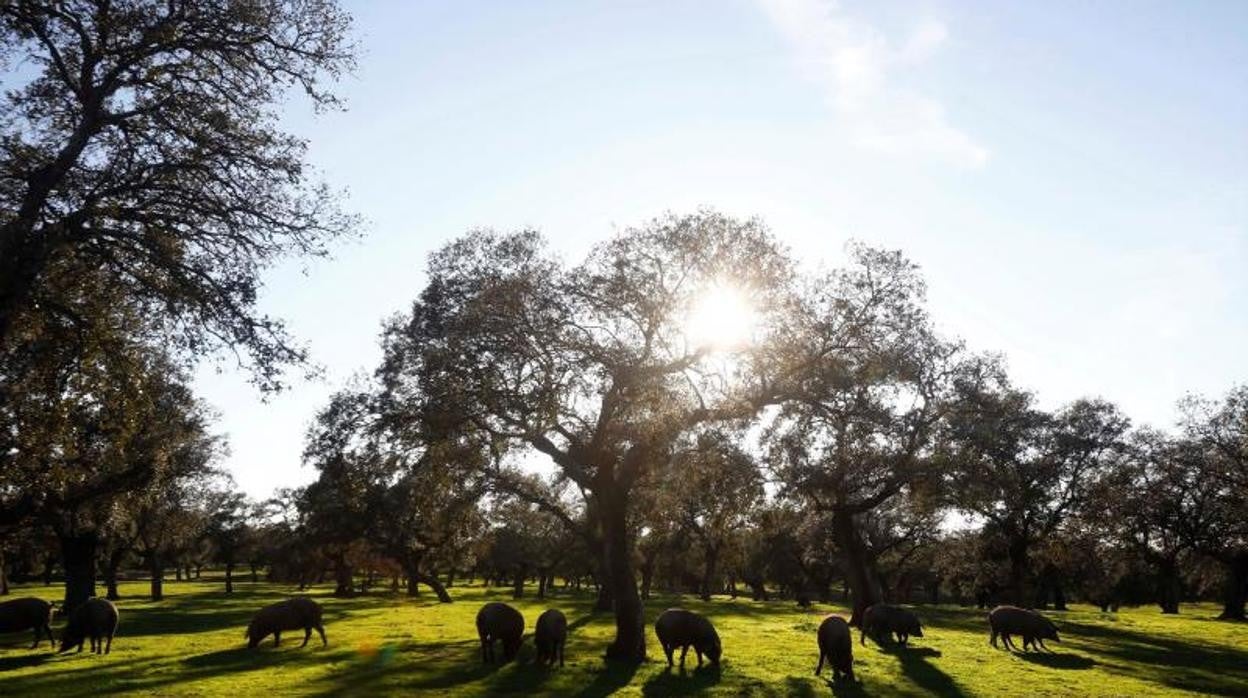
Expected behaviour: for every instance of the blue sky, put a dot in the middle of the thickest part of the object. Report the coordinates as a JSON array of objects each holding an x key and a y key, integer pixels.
[{"x": 1072, "y": 177}]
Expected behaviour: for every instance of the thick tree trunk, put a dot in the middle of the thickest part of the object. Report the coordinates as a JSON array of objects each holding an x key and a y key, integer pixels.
[
  {"x": 1235, "y": 593},
  {"x": 158, "y": 578},
  {"x": 517, "y": 585},
  {"x": 708, "y": 573},
  {"x": 863, "y": 586},
  {"x": 758, "y": 589},
  {"x": 229, "y": 577},
  {"x": 630, "y": 637},
  {"x": 541, "y": 584},
  {"x": 110, "y": 574},
  {"x": 177, "y": 573},
  {"x": 78, "y": 553},
  {"x": 647, "y": 576},
  {"x": 1168, "y": 586},
  {"x": 1018, "y": 553},
  {"x": 432, "y": 581},
  {"x": 343, "y": 578},
  {"x": 450, "y": 578}
]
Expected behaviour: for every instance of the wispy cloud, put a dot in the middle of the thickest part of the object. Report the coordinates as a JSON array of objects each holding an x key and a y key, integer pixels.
[{"x": 851, "y": 60}]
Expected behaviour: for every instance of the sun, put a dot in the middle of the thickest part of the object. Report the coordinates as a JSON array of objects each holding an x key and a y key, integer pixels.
[{"x": 721, "y": 318}]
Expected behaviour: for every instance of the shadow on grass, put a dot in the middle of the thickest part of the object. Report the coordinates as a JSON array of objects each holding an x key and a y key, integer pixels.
[
  {"x": 612, "y": 677},
  {"x": 676, "y": 681},
  {"x": 35, "y": 658},
  {"x": 172, "y": 616},
  {"x": 1054, "y": 660},
  {"x": 926, "y": 675},
  {"x": 1188, "y": 665}
]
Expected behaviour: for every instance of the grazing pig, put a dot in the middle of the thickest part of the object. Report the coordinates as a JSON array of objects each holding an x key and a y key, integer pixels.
[
  {"x": 28, "y": 614},
  {"x": 550, "y": 635},
  {"x": 677, "y": 627},
  {"x": 889, "y": 620},
  {"x": 1011, "y": 620},
  {"x": 297, "y": 613},
  {"x": 836, "y": 645},
  {"x": 95, "y": 619},
  {"x": 498, "y": 621}
]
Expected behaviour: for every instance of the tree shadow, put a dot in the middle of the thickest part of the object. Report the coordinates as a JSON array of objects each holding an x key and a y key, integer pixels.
[
  {"x": 614, "y": 676},
  {"x": 1055, "y": 660},
  {"x": 1188, "y": 665},
  {"x": 676, "y": 681},
  {"x": 35, "y": 658}
]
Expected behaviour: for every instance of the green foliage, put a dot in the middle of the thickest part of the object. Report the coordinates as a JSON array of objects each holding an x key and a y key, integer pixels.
[{"x": 192, "y": 644}]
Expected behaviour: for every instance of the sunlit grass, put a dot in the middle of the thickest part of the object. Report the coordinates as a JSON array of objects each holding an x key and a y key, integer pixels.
[{"x": 192, "y": 644}]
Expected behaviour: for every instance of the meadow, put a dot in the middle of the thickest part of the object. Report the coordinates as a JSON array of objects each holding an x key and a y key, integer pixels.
[{"x": 380, "y": 644}]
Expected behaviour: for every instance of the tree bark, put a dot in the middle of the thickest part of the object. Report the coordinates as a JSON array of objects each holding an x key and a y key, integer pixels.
[
  {"x": 1017, "y": 551},
  {"x": 1235, "y": 593},
  {"x": 630, "y": 638},
  {"x": 863, "y": 586},
  {"x": 4, "y": 575},
  {"x": 432, "y": 581},
  {"x": 647, "y": 576},
  {"x": 517, "y": 586},
  {"x": 708, "y": 572},
  {"x": 158, "y": 578},
  {"x": 229, "y": 578},
  {"x": 110, "y": 574},
  {"x": 78, "y": 553},
  {"x": 343, "y": 578},
  {"x": 1168, "y": 587}
]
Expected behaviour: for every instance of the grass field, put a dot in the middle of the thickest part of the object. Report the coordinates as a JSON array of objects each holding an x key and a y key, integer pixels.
[{"x": 192, "y": 644}]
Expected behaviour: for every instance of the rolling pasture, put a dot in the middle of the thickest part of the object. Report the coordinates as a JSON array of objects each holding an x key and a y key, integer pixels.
[{"x": 380, "y": 644}]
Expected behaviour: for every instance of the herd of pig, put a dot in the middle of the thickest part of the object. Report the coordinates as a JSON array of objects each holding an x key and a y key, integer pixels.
[{"x": 97, "y": 619}]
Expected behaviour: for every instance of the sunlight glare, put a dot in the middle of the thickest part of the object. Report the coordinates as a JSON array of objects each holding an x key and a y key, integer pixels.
[{"x": 721, "y": 319}]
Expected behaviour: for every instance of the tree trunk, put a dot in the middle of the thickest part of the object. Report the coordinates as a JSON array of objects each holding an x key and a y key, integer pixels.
[
  {"x": 708, "y": 572},
  {"x": 630, "y": 637},
  {"x": 1017, "y": 551},
  {"x": 229, "y": 577},
  {"x": 863, "y": 586},
  {"x": 758, "y": 589},
  {"x": 254, "y": 572},
  {"x": 4, "y": 576},
  {"x": 431, "y": 580},
  {"x": 647, "y": 575},
  {"x": 49, "y": 562},
  {"x": 157, "y": 570},
  {"x": 110, "y": 574},
  {"x": 1235, "y": 593},
  {"x": 603, "y": 601},
  {"x": 343, "y": 578},
  {"x": 541, "y": 584},
  {"x": 450, "y": 578},
  {"x": 177, "y": 573},
  {"x": 1168, "y": 586},
  {"x": 1059, "y": 597},
  {"x": 78, "y": 553},
  {"x": 517, "y": 586}
]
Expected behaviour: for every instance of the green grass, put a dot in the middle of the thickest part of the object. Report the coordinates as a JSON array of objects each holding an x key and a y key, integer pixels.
[{"x": 191, "y": 644}]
